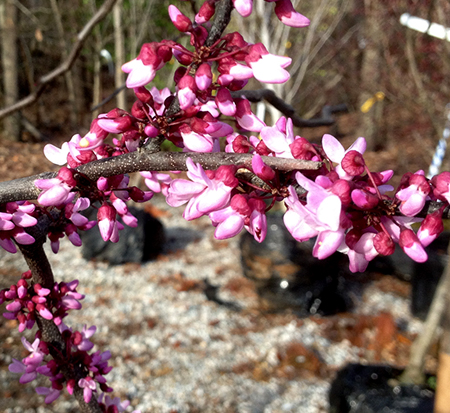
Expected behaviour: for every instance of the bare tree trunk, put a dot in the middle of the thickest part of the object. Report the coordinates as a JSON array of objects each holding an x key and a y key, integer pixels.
[
  {"x": 120, "y": 53},
  {"x": 68, "y": 75},
  {"x": 8, "y": 24},
  {"x": 370, "y": 78}
]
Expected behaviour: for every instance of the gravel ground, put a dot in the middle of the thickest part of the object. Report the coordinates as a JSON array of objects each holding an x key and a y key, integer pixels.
[{"x": 173, "y": 350}]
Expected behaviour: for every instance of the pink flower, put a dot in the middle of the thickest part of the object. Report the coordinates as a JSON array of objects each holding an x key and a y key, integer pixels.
[
  {"x": 186, "y": 91},
  {"x": 320, "y": 216},
  {"x": 412, "y": 246},
  {"x": 245, "y": 117},
  {"x": 202, "y": 194},
  {"x": 107, "y": 223},
  {"x": 414, "y": 196},
  {"x": 336, "y": 152},
  {"x": 278, "y": 138},
  {"x": 142, "y": 70},
  {"x": 243, "y": 7},
  {"x": 203, "y": 76},
  {"x": 430, "y": 228},
  {"x": 56, "y": 190},
  {"x": 179, "y": 20},
  {"x": 267, "y": 68},
  {"x": 50, "y": 393}
]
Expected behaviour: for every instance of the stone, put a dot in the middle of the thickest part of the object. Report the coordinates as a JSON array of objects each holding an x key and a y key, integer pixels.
[
  {"x": 374, "y": 389},
  {"x": 286, "y": 274},
  {"x": 136, "y": 245}
]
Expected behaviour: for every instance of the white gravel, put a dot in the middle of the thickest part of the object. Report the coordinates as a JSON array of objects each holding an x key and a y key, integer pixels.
[{"x": 175, "y": 351}]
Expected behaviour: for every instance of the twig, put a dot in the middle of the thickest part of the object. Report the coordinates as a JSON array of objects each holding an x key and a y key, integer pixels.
[{"x": 65, "y": 64}]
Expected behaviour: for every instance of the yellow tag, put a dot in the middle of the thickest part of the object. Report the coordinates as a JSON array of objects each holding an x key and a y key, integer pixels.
[{"x": 367, "y": 105}]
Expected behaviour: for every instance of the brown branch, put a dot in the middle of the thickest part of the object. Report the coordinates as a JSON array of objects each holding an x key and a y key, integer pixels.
[
  {"x": 65, "y": 64},
  {"x": 287, "y": 110},
  {"x": 41, "y": 271},
  {"x": 24, "y": 189}
]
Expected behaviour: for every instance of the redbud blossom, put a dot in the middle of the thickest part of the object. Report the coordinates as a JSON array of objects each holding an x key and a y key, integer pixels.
[
  {"x": 412, "y": 246},
  {"x": 205, "y": 12},
  {"x": 179, "y": 20},
  {"x": 288, "y": 16},
  {"x": 203, "y": 76},
  {"x": 430, "y": 228}
]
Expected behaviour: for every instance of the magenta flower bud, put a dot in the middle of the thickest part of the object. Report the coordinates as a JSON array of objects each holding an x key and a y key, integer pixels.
[
  {"x": 384, "y": 244},
  {"x": 206, "y": 11},
  {"x": 261, "y": 169},
  {"x": 151, "y": 131},
  {"x": 246, "y": 119},
  {"x": 237, "y": 71},
  {"x": 179, "y": 20},
  {"x": 240, "y": 144},
  {"x": 117, "y": 125},
  {"x": 364, "y": 199},
  {"x": 225, "y": 173},
  {"x": 106, "y": 217},
  {"x": 14, "y": 306},
  {"x": 412, "y": 246},
  {"x": 143, "y": 94},
  {"x": 66, "y": 175},
  {"x": 225, "y": 102},
  {"x": 342, "y": 189},
  {"x": 430, "y": 229},
  {"x": 183, "y": 58},
  {"x": 288, "y": 16},
  {"x": 302, "y": 149},
  {"x": 441, "y": 184},
  {"x": 102, "y": 184},
  {"x": 39, "y": 290},
  {"x": 239, "y": 204},
  {"x": 353, "y": 163},
  {"x": 186, "y": 91},
  {"x": 138, "y": 110},
  {"x": 203, "y": 76},
  {"x": 243, "y": 7}
]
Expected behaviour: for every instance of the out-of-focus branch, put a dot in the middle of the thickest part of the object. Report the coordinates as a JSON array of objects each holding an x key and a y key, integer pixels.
[
  {"x": 65, "y": 65},
  {"x": 287, "y": 110}
]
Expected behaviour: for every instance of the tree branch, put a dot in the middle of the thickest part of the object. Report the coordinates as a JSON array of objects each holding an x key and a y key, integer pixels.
[
  {"x": 41, "y": 271},
  {"x": 24, "y": 189},
  {"x": 65, "y": 64},
  {"x": 287, "y": 110}
]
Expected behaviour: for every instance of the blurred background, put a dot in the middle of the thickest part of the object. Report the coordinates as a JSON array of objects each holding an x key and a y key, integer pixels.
[{"x": 393, "y": 79}]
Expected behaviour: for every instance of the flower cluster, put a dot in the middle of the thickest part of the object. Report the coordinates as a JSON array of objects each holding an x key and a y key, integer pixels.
[
  {"x": 14, "y": 217},
  {"x": 25, "y": 303}
]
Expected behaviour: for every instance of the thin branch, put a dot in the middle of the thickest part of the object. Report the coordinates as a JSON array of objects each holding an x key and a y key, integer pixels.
[{"x": 65, "y": 64}]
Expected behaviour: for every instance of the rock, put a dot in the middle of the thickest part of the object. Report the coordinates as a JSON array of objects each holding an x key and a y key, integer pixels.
[
  {"x": 140, "y": 244},
  {"x": 367, "y": 389},
  {"x": 288, "y": 276}
]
